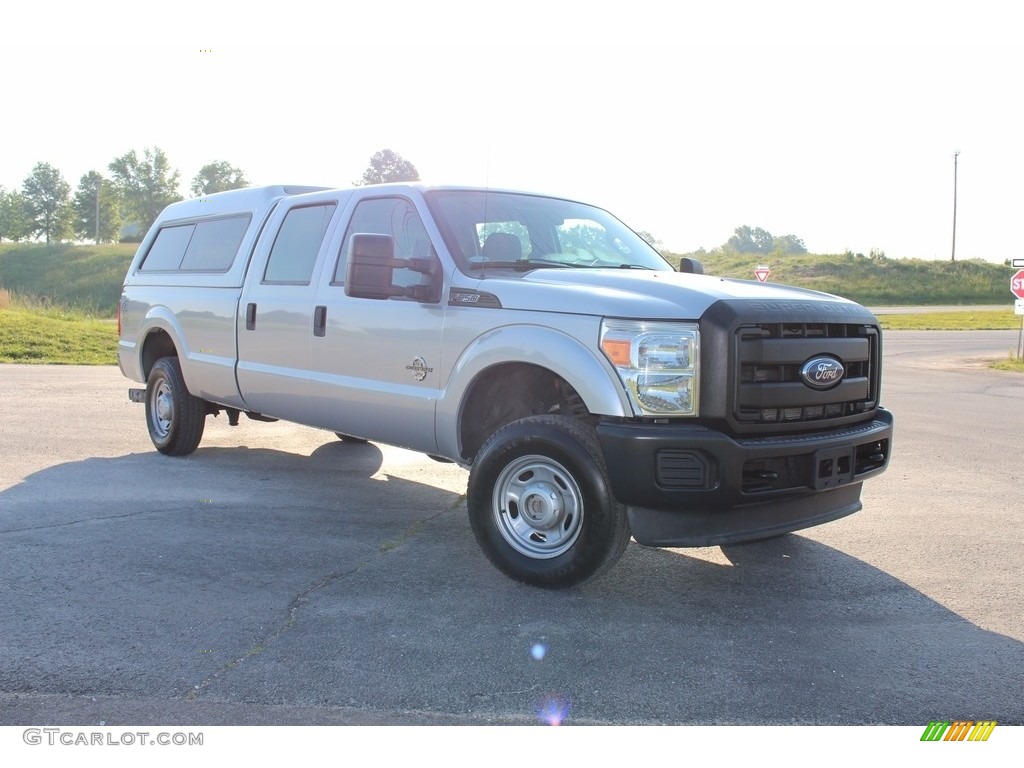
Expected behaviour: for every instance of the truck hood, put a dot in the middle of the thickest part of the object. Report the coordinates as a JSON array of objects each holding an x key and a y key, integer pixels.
[{"x": 633, "y": 293}]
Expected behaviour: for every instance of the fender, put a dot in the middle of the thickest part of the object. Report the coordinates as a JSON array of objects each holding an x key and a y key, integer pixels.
[
  {"x": 590, "y": 374},
  {"x": 163, "y": 319},
  {"x": 129, "y": 353}
]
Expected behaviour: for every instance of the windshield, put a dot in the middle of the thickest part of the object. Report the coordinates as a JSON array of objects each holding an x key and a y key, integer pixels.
[{"x": 503, "y": 230}]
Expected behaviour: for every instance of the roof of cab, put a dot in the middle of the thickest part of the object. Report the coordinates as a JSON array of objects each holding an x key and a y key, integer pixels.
[{"x": 259, "y": 199}]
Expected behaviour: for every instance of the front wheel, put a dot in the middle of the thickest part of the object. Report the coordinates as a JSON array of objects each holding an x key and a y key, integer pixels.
[
  {"x": 175, "y": 417},
  {"x": 540, "y": 504}
]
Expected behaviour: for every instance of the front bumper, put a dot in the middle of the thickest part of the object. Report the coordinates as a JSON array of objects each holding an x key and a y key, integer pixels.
[{"x": 690, "y": 486}]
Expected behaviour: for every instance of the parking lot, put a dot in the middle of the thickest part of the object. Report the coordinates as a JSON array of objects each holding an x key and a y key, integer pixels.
[{"x": 281, "y": 576}]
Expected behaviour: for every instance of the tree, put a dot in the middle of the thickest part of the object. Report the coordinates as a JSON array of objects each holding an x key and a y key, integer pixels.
[
  {"x": 96, "y": 196},
  {"x": 386, "y": 166},
  {"x": 46, "y": 202},
  {"x": 760, "y": 241},
  {"x": 763, "y": 240},
  {"x": 747, "y": 240},
  {"x": 218, "y": 176},
  {"x": 146, "y": 185},
  {"x": 790, "y": 244},
  {"x": 650, "y": 239},
  {"x": 14, "y": 221}
]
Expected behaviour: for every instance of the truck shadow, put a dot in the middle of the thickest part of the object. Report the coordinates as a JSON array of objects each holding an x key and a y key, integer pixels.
[{"x": 249, "y": 575}]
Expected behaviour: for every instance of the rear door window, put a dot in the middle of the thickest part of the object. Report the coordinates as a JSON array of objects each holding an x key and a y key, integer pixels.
[{"x": 297, "y": 245}]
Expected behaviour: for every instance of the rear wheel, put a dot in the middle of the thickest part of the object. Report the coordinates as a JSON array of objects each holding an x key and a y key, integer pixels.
[
  {"x": 175, "y": 418},
  {"x": 540, "y": 504}
]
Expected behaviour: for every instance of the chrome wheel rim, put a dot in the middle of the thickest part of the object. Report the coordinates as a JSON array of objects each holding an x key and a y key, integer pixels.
[
  {"x": 162, "y": 409},
  {"x": 538, "y": 507}
]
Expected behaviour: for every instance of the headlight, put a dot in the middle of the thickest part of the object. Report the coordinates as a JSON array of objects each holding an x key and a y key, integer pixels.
[{"x": 658, "y": 364}]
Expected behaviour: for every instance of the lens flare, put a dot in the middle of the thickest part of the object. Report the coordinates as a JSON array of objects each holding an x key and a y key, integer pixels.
[
  {"x": 554, "y": 710},
  {"x": 538, "y": 651}
]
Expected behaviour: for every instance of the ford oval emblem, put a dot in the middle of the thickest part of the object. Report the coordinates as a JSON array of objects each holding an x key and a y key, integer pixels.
[{"x": 822, "y": 372}]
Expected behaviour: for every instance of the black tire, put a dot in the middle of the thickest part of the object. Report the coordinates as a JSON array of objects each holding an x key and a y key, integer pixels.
[
  {"x": 175, "y": 418},
  {"x": 349, "y": 438},
  {"x": 553, "y": 466}
]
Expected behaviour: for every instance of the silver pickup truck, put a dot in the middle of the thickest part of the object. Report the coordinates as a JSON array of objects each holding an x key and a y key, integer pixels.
[{"x": 593, "y": 391}]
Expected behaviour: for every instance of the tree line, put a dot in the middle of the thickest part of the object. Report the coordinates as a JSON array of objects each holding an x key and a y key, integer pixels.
[
  {"x": 136, "y": 190},
  {"x": 756, "y": 240},
  {"x": 140, "y": 187}
]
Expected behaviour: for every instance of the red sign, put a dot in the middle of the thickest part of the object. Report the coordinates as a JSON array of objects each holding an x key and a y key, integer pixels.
[
  {"x": 1017, "y": 284},
  {"x": 762, "y": 273}
]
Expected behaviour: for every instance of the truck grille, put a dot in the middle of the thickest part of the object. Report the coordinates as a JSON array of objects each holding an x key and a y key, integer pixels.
[{"x": 769, "y": 390}]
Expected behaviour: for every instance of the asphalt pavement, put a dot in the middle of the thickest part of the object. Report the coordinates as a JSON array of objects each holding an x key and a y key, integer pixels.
[{"x": 280, "y": 576}]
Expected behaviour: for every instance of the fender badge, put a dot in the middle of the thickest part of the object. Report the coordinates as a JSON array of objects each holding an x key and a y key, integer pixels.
[{"x": 419, "y": 368}]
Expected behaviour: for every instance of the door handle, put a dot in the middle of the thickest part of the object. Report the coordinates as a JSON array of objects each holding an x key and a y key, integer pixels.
[
  {"x": 250, "y": 317},
  {"x": 320, "y": 320}
]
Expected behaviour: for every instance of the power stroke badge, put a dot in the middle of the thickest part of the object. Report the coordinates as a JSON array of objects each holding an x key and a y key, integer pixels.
[{"x": 419, "y": 368}]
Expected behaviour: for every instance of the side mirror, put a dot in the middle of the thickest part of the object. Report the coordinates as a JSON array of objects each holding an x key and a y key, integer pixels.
[
  {"x": 369, "y": 272},
  {"x": 691, "y": 266}
]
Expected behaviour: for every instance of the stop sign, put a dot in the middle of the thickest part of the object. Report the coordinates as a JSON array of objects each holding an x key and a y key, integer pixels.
[{"x": 1017, "y": 284}]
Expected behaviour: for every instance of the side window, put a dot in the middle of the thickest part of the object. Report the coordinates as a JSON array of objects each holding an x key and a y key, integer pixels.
[
  {"x": 203, "y": 246},
  {"x": 168, "y": 249},
  {"x": 215, "y": 244},
  {"x": 393, "y": 216},
  {"x": 297, "y": 244}
]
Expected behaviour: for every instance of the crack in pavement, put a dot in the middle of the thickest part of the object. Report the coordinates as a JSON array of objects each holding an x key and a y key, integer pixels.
[
  {"x": 86, "y": 520},
  {"x": 302, "y": 598}
]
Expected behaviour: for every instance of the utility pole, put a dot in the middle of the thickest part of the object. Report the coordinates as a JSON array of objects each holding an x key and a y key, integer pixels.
[{"x": 955, "y": 156}]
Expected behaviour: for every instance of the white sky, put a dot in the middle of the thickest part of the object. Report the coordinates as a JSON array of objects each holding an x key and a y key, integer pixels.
[{"x": 836, "y": 122}]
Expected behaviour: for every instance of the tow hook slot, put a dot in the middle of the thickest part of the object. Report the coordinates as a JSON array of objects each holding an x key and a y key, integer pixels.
[{"x": 833, "y": 467}]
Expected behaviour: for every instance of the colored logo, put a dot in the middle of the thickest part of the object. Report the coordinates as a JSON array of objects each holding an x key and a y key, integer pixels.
[
  {"x": 822, "y": 372},
  {"x": 960, "y": 730}
]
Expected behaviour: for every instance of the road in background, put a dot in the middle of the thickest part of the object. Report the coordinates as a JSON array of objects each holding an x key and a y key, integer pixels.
[
  {"x": 918, "y": 310},
  {"x": 281, "y": 576}
]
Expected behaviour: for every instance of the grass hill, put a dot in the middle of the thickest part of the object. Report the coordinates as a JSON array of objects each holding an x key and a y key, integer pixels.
[
  {"x": 57, "y": 303},
  {"x": 87, "y": 278},
  {"x": 872, "y": 281}
]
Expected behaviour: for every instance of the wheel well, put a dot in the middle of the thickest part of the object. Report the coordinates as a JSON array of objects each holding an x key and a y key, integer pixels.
[
  {"x": 157, "y": 344},
  {"x": 505, "y": 393}
]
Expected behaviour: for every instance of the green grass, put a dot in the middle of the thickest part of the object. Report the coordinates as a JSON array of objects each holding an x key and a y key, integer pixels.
[
  {"x": 1014, "y": 364},
  {"x": 86, "y": 278},
  {"x": 874, "y": 282},
  {"x": 989, "y": 320},
  {"x": 60, "y": 300},
  {"x": 89, "y": 277},
  {"x": 33, "y": 332}
]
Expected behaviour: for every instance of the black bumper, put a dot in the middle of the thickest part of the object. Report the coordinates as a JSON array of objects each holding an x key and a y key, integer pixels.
[{"x": 689, "y": 486}]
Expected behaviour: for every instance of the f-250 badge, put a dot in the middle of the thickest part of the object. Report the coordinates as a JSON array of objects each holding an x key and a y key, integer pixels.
[{"x": 419, "y": 368}]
